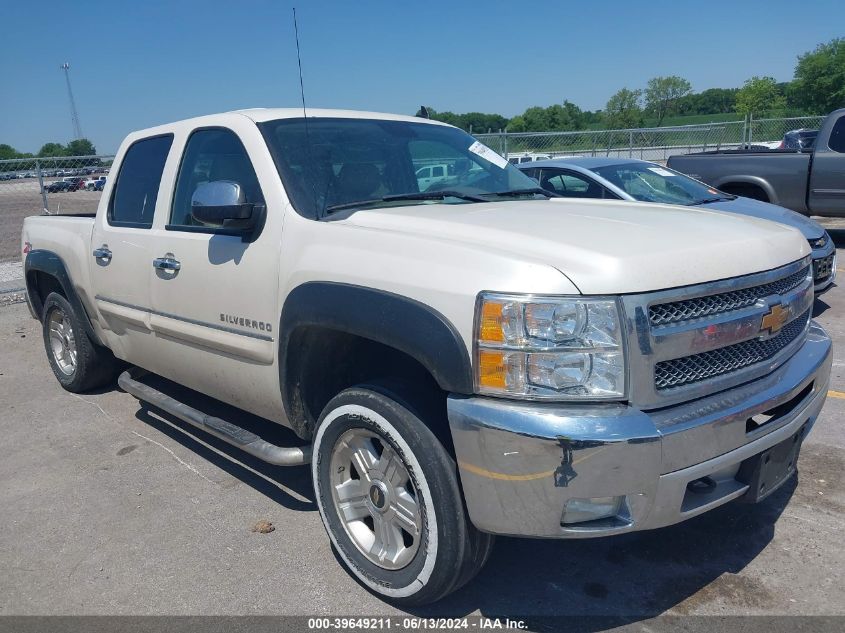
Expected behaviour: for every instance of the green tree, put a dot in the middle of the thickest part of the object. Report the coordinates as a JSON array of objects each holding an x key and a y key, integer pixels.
[
  {"x": 662, "y": 94},
  {"x": 623, "y": 109},
  {"x": 819, "y": 85},
  {"x": 7, "y": 152},
  {"x": 52, "y": 149},
  {"x": 81, "y": 147},
  {"x": 760, "y": 96}
]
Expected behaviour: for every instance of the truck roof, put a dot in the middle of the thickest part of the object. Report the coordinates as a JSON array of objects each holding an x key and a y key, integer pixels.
[
  {"x": 268, "y": 114},
  {"x": 259, "y": 115}
]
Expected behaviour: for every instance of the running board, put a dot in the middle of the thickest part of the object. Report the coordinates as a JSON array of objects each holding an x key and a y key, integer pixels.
[{"x": 236, "y": 436}]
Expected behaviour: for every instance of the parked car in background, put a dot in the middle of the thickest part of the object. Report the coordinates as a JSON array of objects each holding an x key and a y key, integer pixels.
[
  {"x": 90, "y": 184},
  {"x": 76, "y": 183},
  {"x": 100, "y": 183},
  {"x": 57, "y": 186},
  {"x": 810, "y": 181},
  {"x": 526, "y": 157},
  {"x": 69, "y": 183},
  {"x": 429, "y": 175},
  {"x": 799, "y": 139},
  {"x": 642, "y": 181}
]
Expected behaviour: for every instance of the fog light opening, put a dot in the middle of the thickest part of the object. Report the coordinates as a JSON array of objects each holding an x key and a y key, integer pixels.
[{"x": 594, "y": 508}]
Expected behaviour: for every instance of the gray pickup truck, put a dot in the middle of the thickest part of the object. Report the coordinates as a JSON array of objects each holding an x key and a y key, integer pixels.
[{"x": 809, "y": 181}]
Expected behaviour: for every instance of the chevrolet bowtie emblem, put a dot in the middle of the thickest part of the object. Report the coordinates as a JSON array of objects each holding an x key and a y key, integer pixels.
[{"x": 775, "y": 319}]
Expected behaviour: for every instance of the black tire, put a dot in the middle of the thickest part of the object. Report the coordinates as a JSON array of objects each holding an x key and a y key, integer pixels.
[
  {"x": 94, "y": 366},
  {"x": 451, "y": 550}
]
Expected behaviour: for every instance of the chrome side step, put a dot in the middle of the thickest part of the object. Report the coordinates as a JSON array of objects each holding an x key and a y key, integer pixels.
[{"x": 236, "y": 436}]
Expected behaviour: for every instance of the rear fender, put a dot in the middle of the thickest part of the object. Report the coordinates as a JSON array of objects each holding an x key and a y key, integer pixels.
[{"x": 50, "y": 264}]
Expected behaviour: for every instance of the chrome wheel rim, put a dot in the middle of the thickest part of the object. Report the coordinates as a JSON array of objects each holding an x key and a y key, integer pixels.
[
  {"x": 62, "y": 342},
  {"x": 375, "y": 499}
]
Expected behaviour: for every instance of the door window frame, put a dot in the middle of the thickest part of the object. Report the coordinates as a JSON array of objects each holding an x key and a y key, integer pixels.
[
  {"x": 109, "y": 211},
  {"x": 607, "y": 194},
  {"x": 213, "y": 230}
]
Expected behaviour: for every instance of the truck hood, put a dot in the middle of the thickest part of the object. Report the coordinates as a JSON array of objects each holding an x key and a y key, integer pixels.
[
  {"x": 811, "y": 229},
  {"x": 603, "y": 246}
]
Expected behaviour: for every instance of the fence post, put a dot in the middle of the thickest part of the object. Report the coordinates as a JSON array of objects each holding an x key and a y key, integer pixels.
[
  {"x": 750, "y": 127},
  {"x": 631, "y": 144},
  {"x": 504, "y": 143},
  {"x": 41, "y": 186}
]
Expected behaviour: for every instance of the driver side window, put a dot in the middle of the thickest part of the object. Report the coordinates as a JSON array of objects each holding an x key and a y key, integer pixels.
[
  {"x": 570, "y": 184},
  {"x": 211, "y": 155}
]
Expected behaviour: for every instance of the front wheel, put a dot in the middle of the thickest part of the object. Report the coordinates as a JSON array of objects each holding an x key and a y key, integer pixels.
[{"x": 389, "y": 498}]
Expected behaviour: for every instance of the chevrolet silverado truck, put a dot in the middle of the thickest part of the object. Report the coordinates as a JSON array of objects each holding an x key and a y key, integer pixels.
[
  {"x": 810, "y": 181},
  {"x": 462, "y": 360}
]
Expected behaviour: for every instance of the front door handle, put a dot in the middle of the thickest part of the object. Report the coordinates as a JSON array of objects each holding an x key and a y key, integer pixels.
[
  {"x": 166, "y": 263},
  {"x": 102, "y": 253}
]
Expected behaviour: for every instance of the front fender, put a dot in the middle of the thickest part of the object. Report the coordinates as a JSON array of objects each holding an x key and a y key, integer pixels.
[{"x": 393, "y": 320}]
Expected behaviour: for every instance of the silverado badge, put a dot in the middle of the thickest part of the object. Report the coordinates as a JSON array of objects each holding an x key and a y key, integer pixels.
[{"x": 774, "y": 319}]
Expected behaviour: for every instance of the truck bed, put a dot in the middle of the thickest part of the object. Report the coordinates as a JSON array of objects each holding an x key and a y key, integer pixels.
[
  {"x": 69, "y": 236},
  {"x": 782, "y": 174}
]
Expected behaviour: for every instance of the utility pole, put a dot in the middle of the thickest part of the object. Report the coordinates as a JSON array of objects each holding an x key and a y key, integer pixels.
[{"x": 77, "y": 127}]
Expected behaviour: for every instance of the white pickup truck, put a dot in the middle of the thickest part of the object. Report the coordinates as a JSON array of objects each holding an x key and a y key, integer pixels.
[{"x": 460, "y": 361}]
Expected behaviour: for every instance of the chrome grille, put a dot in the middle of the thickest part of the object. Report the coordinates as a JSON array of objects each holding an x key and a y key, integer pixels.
[
  {"x": 691, "y": 369},
  {"x": 823, "y": 267},
  {"x": 679, "y": 311}
]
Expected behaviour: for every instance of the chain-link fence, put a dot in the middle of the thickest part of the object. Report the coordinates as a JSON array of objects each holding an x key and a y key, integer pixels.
[
  {"x": 654, "y": 144},
  {"x": 33, "y": 186}
]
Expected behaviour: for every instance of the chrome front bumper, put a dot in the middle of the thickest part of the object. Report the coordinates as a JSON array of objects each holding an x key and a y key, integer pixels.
[{"x": 520, "y": 463}]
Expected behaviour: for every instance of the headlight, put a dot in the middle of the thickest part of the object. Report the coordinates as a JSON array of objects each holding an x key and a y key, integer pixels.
[
  {"x": 820, "y": 242},
  {"x": 564, "y": 348}
]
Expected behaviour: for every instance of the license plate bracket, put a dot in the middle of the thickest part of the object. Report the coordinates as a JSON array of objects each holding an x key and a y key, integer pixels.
[{"x": 767, "y": 471}]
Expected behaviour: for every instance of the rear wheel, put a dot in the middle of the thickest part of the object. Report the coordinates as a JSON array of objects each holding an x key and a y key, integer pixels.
[
  {"x": 389, "y": 498},
  {"x": 77, "y": 362}
]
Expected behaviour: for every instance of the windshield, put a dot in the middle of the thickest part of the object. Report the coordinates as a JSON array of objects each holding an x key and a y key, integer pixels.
[
  {"x": 335, "y": 163},
  {"x": 652, "y": 183}
]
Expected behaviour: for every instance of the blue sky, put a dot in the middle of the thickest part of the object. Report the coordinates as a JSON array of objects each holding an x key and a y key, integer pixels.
[{"x": 140, "y": 63}]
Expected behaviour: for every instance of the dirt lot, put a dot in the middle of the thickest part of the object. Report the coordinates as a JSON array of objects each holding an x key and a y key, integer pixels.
[
  {"x": 108, "y": 508},
  {"x": 21, "y": 198}
]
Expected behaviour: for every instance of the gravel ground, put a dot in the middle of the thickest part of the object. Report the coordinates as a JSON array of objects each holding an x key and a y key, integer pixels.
[
  {"x": 22, "y": 198},
  {"x": 108, "y": 508}
]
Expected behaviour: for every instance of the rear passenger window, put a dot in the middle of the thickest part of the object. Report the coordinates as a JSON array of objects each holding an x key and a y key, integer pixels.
[
  {"x": 134, "y": 198},
  {"x": 837, "y": 136},
  {"x": 212, "y": 155}
]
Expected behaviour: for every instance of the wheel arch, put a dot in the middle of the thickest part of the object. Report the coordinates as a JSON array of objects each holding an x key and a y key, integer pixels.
[
  {"x": 45, "y": 272},
  {"x": 340, "y": 334},
  {"x": 732, "y": 184}
]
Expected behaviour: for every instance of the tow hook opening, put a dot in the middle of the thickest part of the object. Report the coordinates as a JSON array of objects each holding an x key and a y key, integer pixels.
[{"x": 702, "y": 485}]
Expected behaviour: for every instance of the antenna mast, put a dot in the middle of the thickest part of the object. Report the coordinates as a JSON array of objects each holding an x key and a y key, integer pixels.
[
  {"x": 299, "y": 62},
  {"x": 74, "y": 116}
]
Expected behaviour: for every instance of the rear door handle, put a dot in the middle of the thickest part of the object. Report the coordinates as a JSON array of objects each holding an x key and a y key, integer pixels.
[
  {"x": 102, "y": 253},
  {"x": 166, "y": 263}
]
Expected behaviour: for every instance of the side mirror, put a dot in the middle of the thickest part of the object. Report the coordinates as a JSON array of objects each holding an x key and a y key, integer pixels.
[{"x": 222, "y": 202}]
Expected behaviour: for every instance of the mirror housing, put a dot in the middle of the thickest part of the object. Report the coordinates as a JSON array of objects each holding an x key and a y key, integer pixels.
[{"x": 221, "y": 200}]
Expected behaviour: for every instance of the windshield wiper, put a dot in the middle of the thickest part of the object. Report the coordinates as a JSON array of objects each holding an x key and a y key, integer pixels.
[
  {"x": 422, "y": 195},
  {"x": 434, "y": 195},
  {"x": 524, "y": 192},
  {"x": 709, "y": 200}
]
